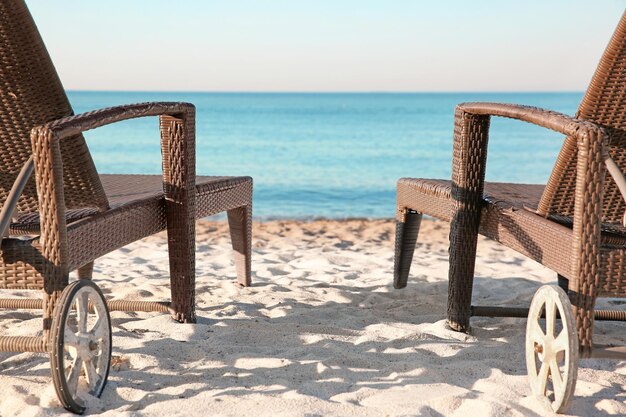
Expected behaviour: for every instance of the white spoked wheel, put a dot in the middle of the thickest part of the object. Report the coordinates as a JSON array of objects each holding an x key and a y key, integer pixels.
[
  {"x": 80, "y": 355},
  {"x": 552, "y": 348}
]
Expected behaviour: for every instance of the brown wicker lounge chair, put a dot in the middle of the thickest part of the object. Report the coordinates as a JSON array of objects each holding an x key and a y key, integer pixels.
[
  {"x": 65, "y": 216},
  {"x": 573, "y": 225}
]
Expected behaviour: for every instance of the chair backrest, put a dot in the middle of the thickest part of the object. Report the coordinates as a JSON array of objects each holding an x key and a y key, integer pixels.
[
  {"x": 31, "y": 94},
  {"x": 605, "y": 104}
]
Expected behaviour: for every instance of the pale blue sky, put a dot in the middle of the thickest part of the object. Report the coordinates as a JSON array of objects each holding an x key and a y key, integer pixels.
[{"x": 326, "y": 45}]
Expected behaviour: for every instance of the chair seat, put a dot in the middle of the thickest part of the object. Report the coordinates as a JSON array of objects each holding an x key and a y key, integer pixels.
[
  {"x": 122, "y": 190},
  {"x": 434, "y": 196},
  {"x": 137, "y": 210},
  {"x": 213, "y": 194},
  {"x": 507, "y": 217}
]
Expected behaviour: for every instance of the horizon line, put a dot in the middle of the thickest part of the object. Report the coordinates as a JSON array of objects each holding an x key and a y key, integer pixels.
[{"x": 328, "y": 92}]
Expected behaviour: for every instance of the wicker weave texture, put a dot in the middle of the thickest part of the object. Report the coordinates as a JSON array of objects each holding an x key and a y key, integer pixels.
[
  {"x": 137, "y": 210},
  {"x": 72, "y": 214},
  {"x": 31, "y": 94},
  {"x": 604, "y": 103},
  {"x": 572, "y": 225}
]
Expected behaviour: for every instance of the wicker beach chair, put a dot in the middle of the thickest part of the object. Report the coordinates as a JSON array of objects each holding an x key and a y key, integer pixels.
[
  {"x": 574, "y": 224},
  {"x": 65, "y": 215}
]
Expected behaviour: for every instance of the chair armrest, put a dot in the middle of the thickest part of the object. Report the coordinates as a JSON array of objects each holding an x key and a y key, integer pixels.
[
  {"x": 552, "y": 120},
  {"x": 177, "y": 126},
  {"x": 576, "y": 128},
  {"x": 75, "y": 124},
  {"x": 471, "y": 139}
]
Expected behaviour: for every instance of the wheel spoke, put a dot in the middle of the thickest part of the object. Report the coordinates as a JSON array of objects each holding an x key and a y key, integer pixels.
[
  {"x": 82, "y": 310},
  {"x": 543, "y": 378},
  {"x": 536, "y": 334},
  {"x": 91, "y": 374},
  {"x": 74, "y": 374},
  {"x": 557, "y": 378},
  {"x": 550, "y": 317},
  {"x": 69, "y": 338},
  {"x": 99, "y": 329},
  {"x": 534, "y": 331},
  {"x": 561, "y": 342}
]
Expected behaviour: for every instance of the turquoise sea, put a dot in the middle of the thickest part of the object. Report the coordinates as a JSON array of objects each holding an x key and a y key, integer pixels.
[{"x": 334, "y": 155}]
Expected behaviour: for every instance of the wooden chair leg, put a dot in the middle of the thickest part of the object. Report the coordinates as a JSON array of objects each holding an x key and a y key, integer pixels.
[
  {"x": 240, "y": 224},
  {"x": 406, "y": 237},
  {"x": 85, "y": 271}
]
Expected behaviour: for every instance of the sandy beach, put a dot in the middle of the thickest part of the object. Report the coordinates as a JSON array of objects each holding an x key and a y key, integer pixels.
[{"x": 321, "y": 332}]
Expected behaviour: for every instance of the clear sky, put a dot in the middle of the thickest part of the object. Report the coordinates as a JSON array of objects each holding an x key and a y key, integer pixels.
[{"x": 326, "y": 45}]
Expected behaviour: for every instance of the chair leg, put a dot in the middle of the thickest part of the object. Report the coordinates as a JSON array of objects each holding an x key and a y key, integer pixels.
[
  {"x": 406, "y": 237},
  {"x": 85, "y": 271},
  {"x": 181, "y": 243},
  {"x": 240, "y": 224},
  {"x": 584, "y": 312},
  {"x": 463, "y": 241}
]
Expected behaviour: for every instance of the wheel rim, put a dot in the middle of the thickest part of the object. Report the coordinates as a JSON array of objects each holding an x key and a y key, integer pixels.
[
  {"x": 81, "y": 344},
  {"x": 552, "y": 347}
]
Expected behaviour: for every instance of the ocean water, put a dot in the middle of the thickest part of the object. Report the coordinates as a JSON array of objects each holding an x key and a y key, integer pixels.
[{"x": 333, "y": 155}]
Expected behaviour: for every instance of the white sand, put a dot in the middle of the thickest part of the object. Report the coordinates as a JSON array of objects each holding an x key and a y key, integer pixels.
[{"x": 320, "y": 333}]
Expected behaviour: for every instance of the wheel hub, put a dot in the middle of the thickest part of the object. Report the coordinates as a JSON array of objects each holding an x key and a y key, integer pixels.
[
  {"x": 544, "y": 350},
  {"x": 84, "y": 348}
]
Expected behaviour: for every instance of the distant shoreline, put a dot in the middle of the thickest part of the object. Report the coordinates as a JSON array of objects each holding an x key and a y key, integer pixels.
[{"x": 321, "y": 92}]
